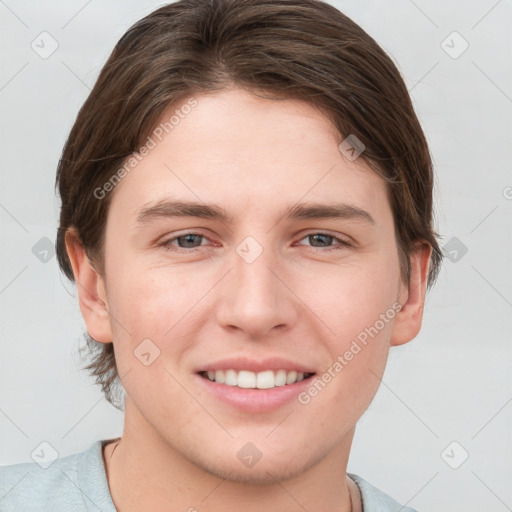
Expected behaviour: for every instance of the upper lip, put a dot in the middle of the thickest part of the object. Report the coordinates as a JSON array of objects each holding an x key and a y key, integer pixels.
[{"x": 253, "y": 365}]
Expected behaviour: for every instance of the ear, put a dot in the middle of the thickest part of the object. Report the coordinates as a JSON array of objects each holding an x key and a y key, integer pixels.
[
  {"x": 91, "y": 290},
  {"x": 408, "y": 320}
]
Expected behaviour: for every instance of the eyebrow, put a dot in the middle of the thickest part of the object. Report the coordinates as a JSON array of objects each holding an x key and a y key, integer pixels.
[{"x": 304, "y": 211}]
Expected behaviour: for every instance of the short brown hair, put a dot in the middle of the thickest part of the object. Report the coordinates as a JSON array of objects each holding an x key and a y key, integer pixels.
[{"x": 297, "y": 49}]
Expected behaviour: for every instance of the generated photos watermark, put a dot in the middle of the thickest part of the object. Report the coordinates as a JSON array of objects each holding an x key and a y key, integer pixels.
[
  {"x": 343, "y": 360},
  {"x": 156, "y": 136}
]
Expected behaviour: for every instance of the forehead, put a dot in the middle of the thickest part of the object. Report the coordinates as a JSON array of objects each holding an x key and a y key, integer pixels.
[{"x": 239, "y": 151}]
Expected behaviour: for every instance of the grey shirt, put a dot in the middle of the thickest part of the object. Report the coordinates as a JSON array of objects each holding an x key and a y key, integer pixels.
[{"x": 78, "y": 483}]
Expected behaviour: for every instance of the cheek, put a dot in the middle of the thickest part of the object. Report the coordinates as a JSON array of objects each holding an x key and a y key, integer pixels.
[
  {"x": 347, "y": 300},
  {"x": 357, "y": 307},
  {"x": 151, "y": 314},
  {"x": 151, "y": 302},
  {"x": 156, "y": 311}
]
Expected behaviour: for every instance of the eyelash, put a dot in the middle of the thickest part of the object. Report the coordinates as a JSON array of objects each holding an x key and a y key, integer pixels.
[{"x": 167, "y": 245}]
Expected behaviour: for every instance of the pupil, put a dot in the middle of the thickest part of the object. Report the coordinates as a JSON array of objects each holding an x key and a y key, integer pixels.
[
  {"x": 188, "y": 239},
  {"x": 328, "y": 237}
]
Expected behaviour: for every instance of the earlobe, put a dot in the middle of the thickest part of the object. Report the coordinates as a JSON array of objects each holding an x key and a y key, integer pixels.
[
  {"x": 91, "y": 290},
  {"x": 408, "y": 320}
]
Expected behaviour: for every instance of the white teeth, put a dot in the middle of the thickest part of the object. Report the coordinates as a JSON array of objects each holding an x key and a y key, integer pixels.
[
  {"x": 261, "y": 380},
  {"x": 245, "y": 379},
  {"x": 219, "y": 376},
  {"x": 230, "y": 378},
  {"x": 281, "y": 377},
  {"x": 265, "y": 380},
  {"x": 291, "y": 377}
]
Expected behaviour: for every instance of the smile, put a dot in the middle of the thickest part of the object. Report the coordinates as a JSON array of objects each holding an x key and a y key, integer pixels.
[{"x": 261, "y": 380}]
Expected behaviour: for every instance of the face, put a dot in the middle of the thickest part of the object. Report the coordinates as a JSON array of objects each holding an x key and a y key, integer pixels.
[{"x": 272, "y": 284}]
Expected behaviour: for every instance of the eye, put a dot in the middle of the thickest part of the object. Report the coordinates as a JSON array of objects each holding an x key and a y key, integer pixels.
[
  {"x": 185, "y": 241},
  {"x": 188, "y": 242},
  {"x": 325, "y": 239}
]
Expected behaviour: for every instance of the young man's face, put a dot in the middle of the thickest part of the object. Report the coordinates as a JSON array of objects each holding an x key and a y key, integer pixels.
[{"x": 256, "y": 290}]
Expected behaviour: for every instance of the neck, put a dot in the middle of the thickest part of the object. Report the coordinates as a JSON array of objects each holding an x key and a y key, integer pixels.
[{"x": 133, "y": 467}]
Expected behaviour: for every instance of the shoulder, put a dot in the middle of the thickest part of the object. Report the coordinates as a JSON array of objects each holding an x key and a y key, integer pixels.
[
  {"x": 76, "y": 482},
  {"x": 374, "y": 500}
]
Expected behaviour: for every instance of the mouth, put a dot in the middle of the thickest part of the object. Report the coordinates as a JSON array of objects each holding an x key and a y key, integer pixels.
[
  {"x": 246, "y": 379},
  {"x": 253, "y": 385},
  {"x": 251, "y": 392}
]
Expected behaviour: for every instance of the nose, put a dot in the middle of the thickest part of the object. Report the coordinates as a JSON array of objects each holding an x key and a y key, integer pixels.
[{"x": 256, "y": 297}]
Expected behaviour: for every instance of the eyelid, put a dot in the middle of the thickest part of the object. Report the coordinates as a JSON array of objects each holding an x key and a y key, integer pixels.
[
  {"x": 342, "y": 243},
  {"x": 340, "y": 237},
  {"x": 167, "y": 243}
]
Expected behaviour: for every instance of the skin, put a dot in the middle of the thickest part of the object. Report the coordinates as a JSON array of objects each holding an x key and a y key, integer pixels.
[{"x": 179, "y": 444}]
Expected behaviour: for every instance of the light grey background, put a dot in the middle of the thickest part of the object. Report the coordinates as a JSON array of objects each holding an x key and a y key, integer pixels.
[{"x": 453, "y": 383}]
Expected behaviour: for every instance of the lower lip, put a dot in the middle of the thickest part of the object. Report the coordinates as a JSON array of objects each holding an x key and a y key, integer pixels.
[{"x": 255, "y": 400}]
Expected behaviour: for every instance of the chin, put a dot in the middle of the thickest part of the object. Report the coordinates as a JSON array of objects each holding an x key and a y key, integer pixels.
[
  {"x": 266, "y": 471},
  {"x": 262, "y": 476}
]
